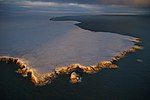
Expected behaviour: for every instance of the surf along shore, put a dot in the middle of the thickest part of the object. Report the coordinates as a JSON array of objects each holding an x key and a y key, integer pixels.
[{"x": 41, "y": 79}]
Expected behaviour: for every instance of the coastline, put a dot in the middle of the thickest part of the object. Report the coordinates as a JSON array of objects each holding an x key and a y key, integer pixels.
[
  {"x": 42, "y": 79},
  {"x": 129, "y": 81}
]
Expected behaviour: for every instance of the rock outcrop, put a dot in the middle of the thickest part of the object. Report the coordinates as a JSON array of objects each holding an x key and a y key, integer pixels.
[
  {"x": 42, "y": 79},
  {"x": 74, "y": 77}
]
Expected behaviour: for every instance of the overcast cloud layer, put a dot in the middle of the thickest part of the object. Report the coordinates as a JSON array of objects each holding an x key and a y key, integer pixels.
[
  {"x": 78, "y": 6},
  {"x": 137, "y": 3}
]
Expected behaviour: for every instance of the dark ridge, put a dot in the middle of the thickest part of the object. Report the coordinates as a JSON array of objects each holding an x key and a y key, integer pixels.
[{"x": 121, "y": 24}]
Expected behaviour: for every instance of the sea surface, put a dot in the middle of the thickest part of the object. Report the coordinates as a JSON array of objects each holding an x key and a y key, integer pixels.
[
  {"x": 130, "y": 81},
  {"x": 47, "y": 44}
]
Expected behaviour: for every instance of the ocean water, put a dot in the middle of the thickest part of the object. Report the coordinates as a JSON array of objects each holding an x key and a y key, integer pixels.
[
  {"x": 45, "y": 44},
  {"x": 129, "y": 81}
]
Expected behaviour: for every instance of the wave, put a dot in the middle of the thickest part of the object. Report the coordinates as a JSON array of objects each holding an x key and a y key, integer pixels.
[{"x": 39, "y": 79}]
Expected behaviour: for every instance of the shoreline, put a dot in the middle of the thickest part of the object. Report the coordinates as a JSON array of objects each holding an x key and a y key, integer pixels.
[{"x": 42, "y": 79}]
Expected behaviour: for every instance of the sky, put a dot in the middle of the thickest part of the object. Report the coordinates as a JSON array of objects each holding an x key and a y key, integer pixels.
[
  {"x": 137, "y": 3},
  {"x": 101, "y": 6}
]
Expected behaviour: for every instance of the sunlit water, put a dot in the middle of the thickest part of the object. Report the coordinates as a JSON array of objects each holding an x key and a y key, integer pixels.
[
  {"x": 130, "y": 81},
  {"x": 47, "y": 44}
]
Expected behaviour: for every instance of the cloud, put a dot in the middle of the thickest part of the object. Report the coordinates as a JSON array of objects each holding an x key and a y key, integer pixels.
[
  {"x": 43, "y": 6},
  {"x": 131, "y": 3},
  {"x": 108, "y": 2},
  {"x": 81, "y": 6},
  {"x": 141, "y": 2},
  {"x": 39, "y": 3},
  {"x": 55, "y": 4}
]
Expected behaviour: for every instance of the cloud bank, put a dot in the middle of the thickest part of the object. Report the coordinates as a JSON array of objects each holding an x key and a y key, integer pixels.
[
  {"x": 80, "y": 6},
  {"x": 135, "y": 3}
]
